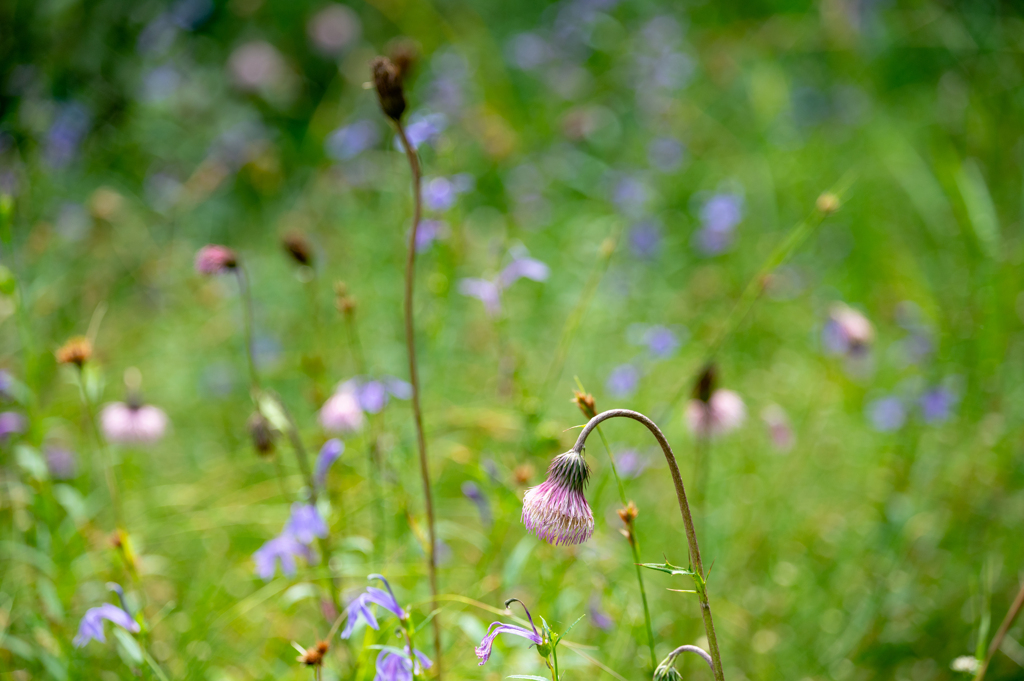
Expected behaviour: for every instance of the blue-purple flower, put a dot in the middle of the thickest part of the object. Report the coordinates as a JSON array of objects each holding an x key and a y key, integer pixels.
[
  {"x": 719, "y": 216},
  {"x": 489, "y": 291},
  {"x": 305, "y": 524},
  {"x": 937, "y": 404},
  {"x": 440, "y": 193},
  {"x": 61, "y": 462},
  {"x": 429, "y": 232},
  {"x": 847, "y": 332},
  {"x": 329, "y": 453},
  {"x": 598, "y": 616},
  {"x": 349, "y": 141},
  {"x": 556, "y": 510},
  {"x": 645, "y": 238},
  {"x": 665, "y": 154},
  {"x": 887, "y": 414},
  {"x": 11, "y": 423},
  {"x": 372, "y": 394},
  {"x": 472, "y": 492},
  {"x": 91, "y": 626},
  {"x": 359, "y": 609},
  {"x": 394, "y": 664},
  {"x": 423, "y": 128},
  {"x": 623, "y": 380},
  {"x": 282, "y": 549},
  {"x": 483, "y": 651}
]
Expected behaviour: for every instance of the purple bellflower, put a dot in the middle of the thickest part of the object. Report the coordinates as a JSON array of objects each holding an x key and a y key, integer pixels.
[
  {"x": 429, "y": 232},
  {"x": 329, "y": 453},
  {"x": 556, "y": 510},
  {"x": 61, "y": 462},
  {"x": 91, "y": 626},
  {"x": 359, "y": 609},
  {"x": 472, "y": 492},
  {"x": 623, "y": 380},
  {"x": 11, "y": 423},
  {"x": 937, "y": 404},
  {"x": 489, "y": 291},
  {"x": 440, "y": 193},
  {"x": 887, "y": 414},
  {"x": 598, "y": 616},
  {"x": 394, "y": 664},
  {"x": 341, "y": 412},
  {"x": 645, "y": 238},
  {"x": 348, "y": 142},
  {"x": 719, "y": 216},
  {"x": 305, "y": 524},
  {"x": 423, "y": 128},
  {"x": 483, "y": 651},
  {"x": 281, "y": 549}
]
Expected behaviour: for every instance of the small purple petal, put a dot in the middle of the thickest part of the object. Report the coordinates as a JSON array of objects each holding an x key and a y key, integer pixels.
[
  {"x": 329, "y": 453},
  {"x": 623, "y": 380},
  {"x": 486, "y": 291}
]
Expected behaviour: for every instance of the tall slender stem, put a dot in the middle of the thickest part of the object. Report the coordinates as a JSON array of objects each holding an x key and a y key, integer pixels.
[
  {"x": 997, "y": 640},
  {"x": 410, "y": 343},
  {"x": 684, "y": 510},
  {"x": 634, "y": 546}
]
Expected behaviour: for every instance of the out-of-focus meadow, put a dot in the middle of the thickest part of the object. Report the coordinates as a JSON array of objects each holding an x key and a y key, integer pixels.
[{"x": 862, "y": 519}]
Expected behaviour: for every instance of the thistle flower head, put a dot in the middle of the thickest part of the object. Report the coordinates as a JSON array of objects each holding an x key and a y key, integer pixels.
[
  {"x": 667, "y": 672},
  {"x": 556, "y": 510},
  {"x": 724, "y": 411},
  {"x": 314, "y": 656},
  {"x": 77, "y": 351},
  {"x": 214, "y": 259},
  {"x": 387, "y": 79},
  {"x": 134, "y": 424}
]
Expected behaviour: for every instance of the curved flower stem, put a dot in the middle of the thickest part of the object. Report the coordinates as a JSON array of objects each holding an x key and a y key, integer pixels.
[
  {"x": 634, "y": 546},
  {"x": 410, "y": 343},
  {"x": 684, "y": 510},
  {"x": 997, "y": 640}
]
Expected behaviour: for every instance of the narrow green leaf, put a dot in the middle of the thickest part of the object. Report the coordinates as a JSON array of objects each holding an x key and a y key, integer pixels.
[
  {"x": 668, "y": 568},
  {"x": 980, "y": 209}
]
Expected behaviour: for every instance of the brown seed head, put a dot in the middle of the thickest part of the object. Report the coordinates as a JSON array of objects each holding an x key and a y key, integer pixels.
[
  {"x": 77, "y": 351},
  {"x": 705, "y": 384},
  {"x": 629, "y": 514},
  {"x": 585, "y": 401},
  {"x": 314, "y": 657},
  {"x": 523, "y": 473},
  {"x": 262, "y": 434},
  {"x": 388, "y": 81},
  {"x": 297, "y": 246},
  {"x": 404, "y": 55}
]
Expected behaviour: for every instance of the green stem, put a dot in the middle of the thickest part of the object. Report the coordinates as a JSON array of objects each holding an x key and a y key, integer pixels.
[
  {"x": 634, "y": 546},
  {"x": 554, "y": 656},
  {"x": 997, "y": 640}
]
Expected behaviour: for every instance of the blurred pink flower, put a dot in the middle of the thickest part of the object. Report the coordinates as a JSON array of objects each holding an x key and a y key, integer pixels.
[
  {"x": 722, "y": 413},
  {"x": 214, "y": 259},
  {"x": 129, "y": 424},
  {"x": 341, "y": 413},
  {"x": 333, "y": 28},
  {"x": 847, "y": 331},
  {"x": 781, "y": 432}
]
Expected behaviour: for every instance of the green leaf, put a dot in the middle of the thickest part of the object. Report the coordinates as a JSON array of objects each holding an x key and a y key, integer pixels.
[
  {"x": 980, "y": 209},
  {"x": 566, "y": 632},
  {"x": 668, "y": 568}
]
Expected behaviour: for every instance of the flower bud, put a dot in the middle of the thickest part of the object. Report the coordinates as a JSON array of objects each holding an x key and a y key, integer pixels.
[
  {"x": 705, "y": 384},
  {"x": 387, "y": 79},
  {"x": 629, "y": 514},
  {"x": 585, "y": 401},
  {"x": 297, "y": 246},
  {"x": 314, "y": 657},
  {"x": 262, "y": 434},
  {"x": 827, "y": 203},
  {"x": 215, "y": 259},
  {"x": 77, "y": 351}
]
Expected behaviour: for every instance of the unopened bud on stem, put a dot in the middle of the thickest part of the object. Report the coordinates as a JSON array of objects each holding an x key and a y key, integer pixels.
[
  {"x": 827, "y": 203},
  {"x": 585, "y": 401},
  {"x": 387, "y": 79}
]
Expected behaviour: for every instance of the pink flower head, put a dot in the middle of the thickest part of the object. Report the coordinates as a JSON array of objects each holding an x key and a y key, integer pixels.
[
  {"x": 342, "y": 413},
  {"x": 214, "y": 259},
  {"x": 130, "y": 424},
  {"x": 723, "y": 412},
  {"x": 556, "y": 510},
  {"x": 847, "y": 331}
]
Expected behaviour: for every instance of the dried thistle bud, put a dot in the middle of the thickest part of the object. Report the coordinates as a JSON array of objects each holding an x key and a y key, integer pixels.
[
  {"x": 523, "y": 473},
  {"x": 388, "y": 81},
  {"x": 298, "y": 247},
  {"x": 827, "y": 203},
  {"x": 629, "y": 514},
  {"x": 404, "y": 55},
  {"x": 705, "y": 384},
  {"x": 314, "y": 657},
  {"x": 77, "y": 351},
  {"x": 585, "y": 401},
  {"x": 261, "y": 433}
]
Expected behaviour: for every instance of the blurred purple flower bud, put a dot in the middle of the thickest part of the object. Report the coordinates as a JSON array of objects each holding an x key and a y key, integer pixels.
[
  {"x": 473, "y": 493},
  {"x": 665, "y": 154},
  {"x": 847, "y": 332},
  {"x": 486, "y": 291},
  {"x": 398, "y": 388},
  {"x": 333, "y": 28},
  {"x": 257, "y": 66},
  {"x": 373, "y": 396},
  {"x": 529, "y": 51},
  {"x": 598, "y": 617},
  {"x": 213, "y": 259},
  {"x": 937, "y": 404},
  {"x": 61, "y": 463},
  {"x": 439, "y": 194},
  {"x": 66, "y": 134},
  {"x": 282, "y": 549},
  {"x": 662, "y": 342},
  {"x": 631, "y": 464},
  {"x": 351, "y": 140},
  {"x": 423, "y": 128},
  {"x": 623, "y": 380},
  {"x": 11, "y": 423},
  {"x": 342, "y": 413},
  {"x": 305, "y": 524},
  {"x": 645, "y": 238},
  {"x": 429, "y": 232},
  {"x": 631, "y": 196},
  {"x": 329, "y": 453},
  {"x": 887, "y": 414},
  {"x": 91, "y": 626},
  {"x": 523, "y": 267}
]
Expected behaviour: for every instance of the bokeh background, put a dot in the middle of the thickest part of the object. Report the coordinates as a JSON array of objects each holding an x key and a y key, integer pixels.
[{"x": 864, "y": 521}]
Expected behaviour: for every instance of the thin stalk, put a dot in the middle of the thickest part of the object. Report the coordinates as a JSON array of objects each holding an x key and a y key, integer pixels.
[
  {"x": 554, "y": 656},
  {"x": 410, "y": 343},
  {"x": 997, "y": 640},
  {"x": 684, "y": 510},
  {"x": 634, "y": 546}
]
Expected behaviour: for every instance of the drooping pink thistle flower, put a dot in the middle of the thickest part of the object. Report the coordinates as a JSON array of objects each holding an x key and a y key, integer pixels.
[
  {"x": 556, "y": 510},
  {"x": 724, "y": 411},
  {"x": 133, "y": 424},
  {"x": 342, "y": 413},
  {"x": 213, "y": 259}
]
